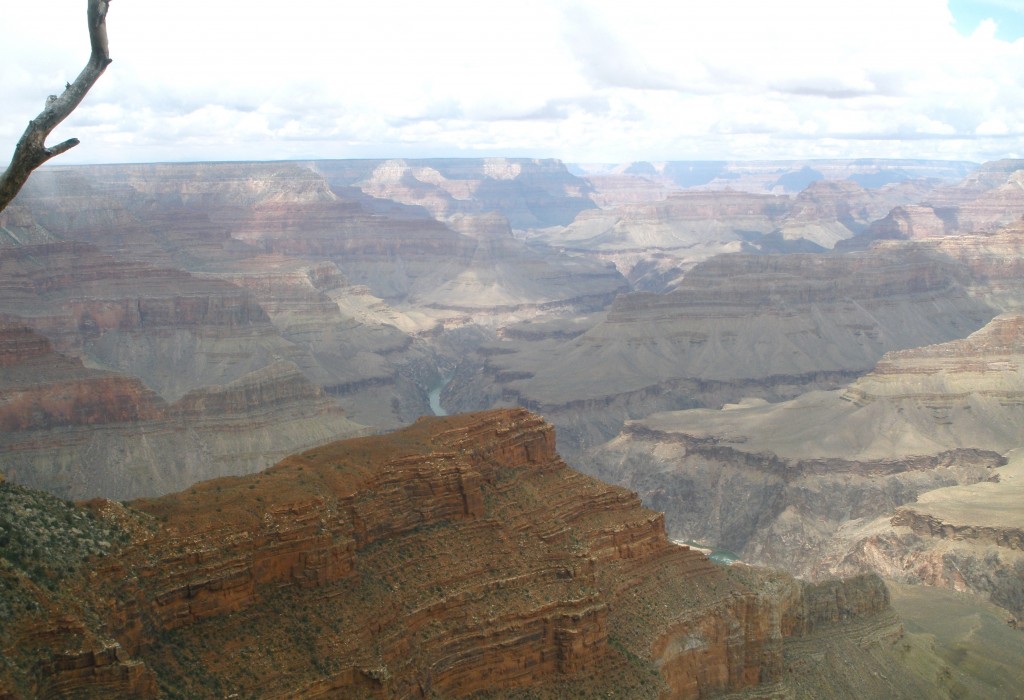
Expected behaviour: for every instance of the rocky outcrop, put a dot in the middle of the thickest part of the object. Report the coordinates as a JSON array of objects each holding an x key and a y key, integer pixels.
[
  {"x": 40, "y": 389},
  {"x": 928, "y": 525},
  {"x": 998, "y": 199},
  {"x": 913, "y": 222},
  {"x": 96, "y": 671},
  {"x": 967, "y": 538},
  {"x": 694, "y": 211},
  {"x": 455, "y": 557},
  {"x": 368, "y": 356},
  {"x": 653, "y": 243},
  {"x": 174, "y": 331}
]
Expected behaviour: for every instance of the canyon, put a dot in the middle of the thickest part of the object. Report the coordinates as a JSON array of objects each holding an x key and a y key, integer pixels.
[
  {"x": 739, "y": 325},
  {"x": 812, "y": 365},
  {"x": 222, "y": 277},
  {"x": 901, "y": 472}
]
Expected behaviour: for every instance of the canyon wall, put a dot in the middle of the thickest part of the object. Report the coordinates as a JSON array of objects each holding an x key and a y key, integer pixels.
[
  {"x": 455, "y": 557},
  {"x": 81, "y": 432},
  {"x": 739, "y": 325},
  {"x": 909, "y": 471},
  {"x": 259, "y": 279}
]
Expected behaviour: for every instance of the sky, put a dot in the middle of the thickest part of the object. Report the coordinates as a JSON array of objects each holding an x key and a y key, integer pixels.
[{"x": 600, "y": 81}]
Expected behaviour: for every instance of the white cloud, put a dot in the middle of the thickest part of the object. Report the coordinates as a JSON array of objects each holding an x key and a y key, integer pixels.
[{"x": 594, "y": 80}]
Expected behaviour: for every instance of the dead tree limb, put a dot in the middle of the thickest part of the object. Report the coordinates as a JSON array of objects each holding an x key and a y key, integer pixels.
[{"x": 32, "y": 151}]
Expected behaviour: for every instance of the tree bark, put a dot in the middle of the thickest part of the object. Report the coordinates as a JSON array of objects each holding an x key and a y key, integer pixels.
[{"x": 32, "y": 151}]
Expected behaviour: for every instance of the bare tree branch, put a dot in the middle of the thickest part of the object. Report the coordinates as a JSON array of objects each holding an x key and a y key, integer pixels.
[{"x": 31, "y": 151}]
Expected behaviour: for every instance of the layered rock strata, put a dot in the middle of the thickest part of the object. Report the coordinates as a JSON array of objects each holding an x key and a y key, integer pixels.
[
  {"x": 984, "y": 202},
  {"x": 740, "y": 325},
  {"x": 81, "y": 432},
  {"x": 371, "y": 358},
  {"x": 171, "y": 329},
  {"x": 654, "y": 243},
  {"x": 965, "y": 538},
  {"x": 192, "y": 276},
  {"x": 994, "y": 261},
  {"x": 457, "y": 557},
  {"x": 207, "y": 217},
  {"x": 903, "y": 472}
]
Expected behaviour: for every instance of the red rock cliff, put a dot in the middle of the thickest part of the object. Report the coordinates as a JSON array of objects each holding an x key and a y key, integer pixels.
[{"x": 458, "y": 556}]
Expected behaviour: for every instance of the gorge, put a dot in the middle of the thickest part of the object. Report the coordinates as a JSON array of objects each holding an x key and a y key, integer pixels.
[{"x": 820, "y": 374}]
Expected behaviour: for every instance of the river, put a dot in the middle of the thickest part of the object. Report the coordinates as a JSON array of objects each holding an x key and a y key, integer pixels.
[{"x": 434, "y": 396}]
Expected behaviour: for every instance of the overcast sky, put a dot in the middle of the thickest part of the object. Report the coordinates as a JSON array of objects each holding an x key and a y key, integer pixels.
[{"x": 593, "y": 81}]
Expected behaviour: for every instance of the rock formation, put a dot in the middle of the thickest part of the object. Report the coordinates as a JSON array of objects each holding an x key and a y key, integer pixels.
[
  {"x": 653, "y": 243},
  {"x": 984, "y": 202},
  {"x": 738, "y": 325},
  {"x": 995, "y": 262},
  {"x": 166, "y": 324},
  {"x": 200, "y": 217},
  {"x": 81, "y": 432},
  {"x": 202, "y": 276},
  {"x": 658, "y": 220},
  {"x": 900, "y": 472},
  {"x": 457, "y": 557},
  {"x": 173, "y": 330}
]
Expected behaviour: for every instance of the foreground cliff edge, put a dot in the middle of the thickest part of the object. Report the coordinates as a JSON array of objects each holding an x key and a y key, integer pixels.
[{"x": 458, "y": 556}]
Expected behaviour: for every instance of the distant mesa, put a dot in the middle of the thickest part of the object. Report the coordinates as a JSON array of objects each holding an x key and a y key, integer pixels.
[{"x": 799, "y": 180}]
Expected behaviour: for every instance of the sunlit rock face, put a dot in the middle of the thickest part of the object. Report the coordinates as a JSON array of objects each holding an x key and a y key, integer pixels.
[
  {"x": 902, "y": 472},
  {"x": 455, "y": 557}
]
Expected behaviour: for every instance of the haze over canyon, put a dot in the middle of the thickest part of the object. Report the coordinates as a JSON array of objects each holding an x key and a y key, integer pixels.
[{"x": 288, "y": 429}]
